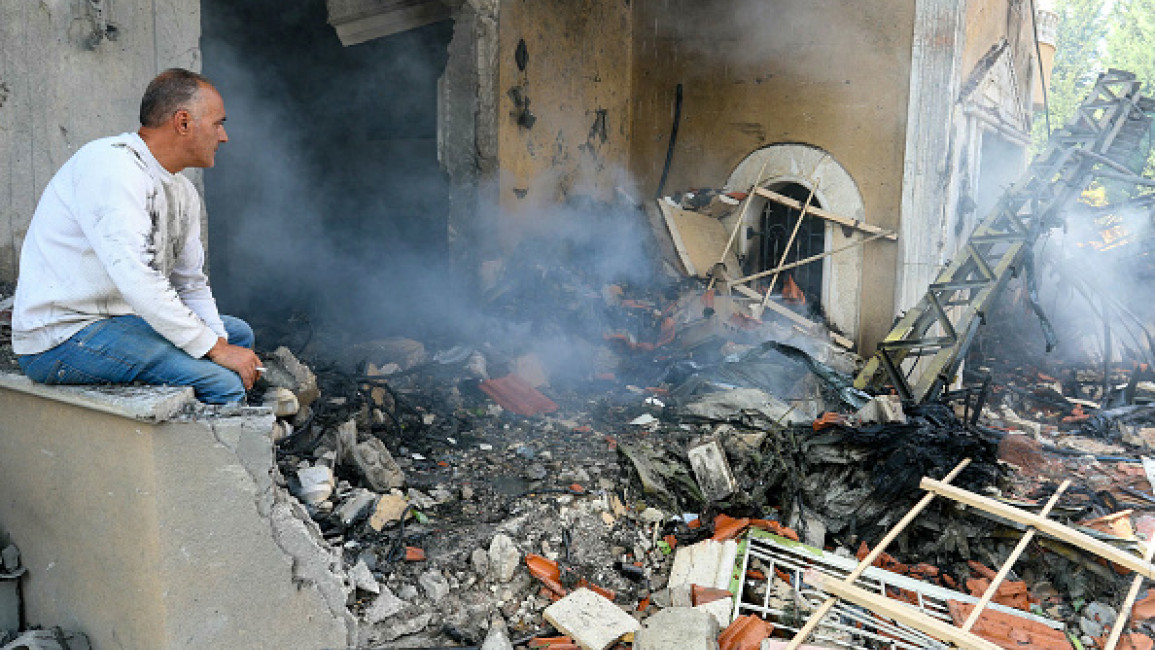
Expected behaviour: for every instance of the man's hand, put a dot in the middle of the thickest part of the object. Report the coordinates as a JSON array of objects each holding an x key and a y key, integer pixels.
[{"x": 240, "y": 360}]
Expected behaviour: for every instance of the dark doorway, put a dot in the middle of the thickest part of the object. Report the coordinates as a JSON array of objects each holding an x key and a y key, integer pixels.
[
  {"x": 800, "y": 287},
  {"x": 328, "y": 201}
]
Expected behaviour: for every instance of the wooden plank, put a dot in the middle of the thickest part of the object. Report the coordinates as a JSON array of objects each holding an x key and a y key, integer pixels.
[
  {"x": 824, "y": 214},
  {"x": 900, "y": 612},
  {"x": 808, "y": 260},
  {"x": 993, "y": 588},
  {"x": 1125, "y": 608},
  {"x": 873, "y": 555},
  {"x": 1044, "y": 525}
]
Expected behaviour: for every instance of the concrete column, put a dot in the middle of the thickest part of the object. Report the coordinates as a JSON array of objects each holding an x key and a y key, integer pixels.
[
  {"x": 934, "y": 83},
  {"x": 467, "y": 131}
]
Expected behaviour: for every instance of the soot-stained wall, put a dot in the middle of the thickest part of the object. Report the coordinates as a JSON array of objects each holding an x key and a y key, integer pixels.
[
  {"x": 563, "y": 116},
  {"x": 328, "y": 199}
]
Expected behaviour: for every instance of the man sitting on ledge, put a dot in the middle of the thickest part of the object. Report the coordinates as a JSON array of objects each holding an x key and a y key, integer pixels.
[{"x": 111, "y": 286}]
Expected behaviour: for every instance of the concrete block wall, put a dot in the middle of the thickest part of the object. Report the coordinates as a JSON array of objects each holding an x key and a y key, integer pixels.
[{"x": 143, "y": 528}]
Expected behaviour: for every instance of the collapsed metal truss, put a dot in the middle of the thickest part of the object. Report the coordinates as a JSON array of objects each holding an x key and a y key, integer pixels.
[{"x": 923, "y": 351}]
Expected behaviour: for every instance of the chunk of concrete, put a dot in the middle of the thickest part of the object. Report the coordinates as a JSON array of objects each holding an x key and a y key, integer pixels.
[
  {"x": 503, "y": 558},
  {"x": 497, "y": 638},
  {"x": 434, "y": 585},
  {"x": 363, "y": 578},
  {"x": 480, "y": 561},
  {"x": 731, "y": 404},
  {"x": 384, "y": 606},
  {"x": 281, "y": 401},
  {"x": 678, "y": 628},
  {"x": 707, "y": 563},
  {"x": 355, "y": 506},
  {"x": 285, "y": 371},
  {"x": 9, "y": 559},
  {"x": 316, "y": 484},
  {"x": 403, "y": 626},
  {"x": 381, "y": 472},
  {"x": 712, "y": 470},
  {"x": 720, "y": 610},
  {"x": 593, "y": 621}
]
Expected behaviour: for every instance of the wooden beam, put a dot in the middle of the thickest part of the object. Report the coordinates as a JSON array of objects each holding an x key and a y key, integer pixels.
[
  {"x": 899, "y": 611},
  {"x": 993, "y": 588},
  {"x": 1044, "y": 525},
  {"x": 803, "y": 262},
  {"x": 829, "y": 216},
  {"x": 1125, "y": 608}
]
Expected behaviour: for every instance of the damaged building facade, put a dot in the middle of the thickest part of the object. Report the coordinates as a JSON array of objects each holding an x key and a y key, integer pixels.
[
  {"x": 907, "y": 116},
  {"x": 904, "y": 117}
]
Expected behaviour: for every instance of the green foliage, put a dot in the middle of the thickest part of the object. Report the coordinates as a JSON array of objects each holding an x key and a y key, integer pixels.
[
  {"x": 1078, "y": 61},
  {"x": 1131, "y": 40},
  {"x": 1094, "y": 36}
]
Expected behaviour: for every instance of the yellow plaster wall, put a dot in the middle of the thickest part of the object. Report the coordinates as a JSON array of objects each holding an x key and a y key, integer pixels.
[
  {"x": 579, "y": 54},
  {"x": 987, "y": 22},
  {"x": 829, "y": 73}
]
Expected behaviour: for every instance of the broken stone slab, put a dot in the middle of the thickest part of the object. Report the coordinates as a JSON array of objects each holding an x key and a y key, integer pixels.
[
  {"x": 707, "y": 563},
  {"x": 283, "y": 370},
  {"x": 434, "y": 585},
  {"x": 376, "y": 464},
  {"x": 385, "y": 606},
  {"x": 503, "y": 557},
  {"x": 593, "y": 621},
  {"x": 712, "y": 470},
  {"x": 720, "y": 610},
  {"x": 363, "y": 578},
  {"x": 678, "y": 628},
  {"x": 648, "y": 471}
]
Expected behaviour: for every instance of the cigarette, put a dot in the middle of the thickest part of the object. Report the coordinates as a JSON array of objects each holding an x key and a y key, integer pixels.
[{"x": 261, "y": 369}]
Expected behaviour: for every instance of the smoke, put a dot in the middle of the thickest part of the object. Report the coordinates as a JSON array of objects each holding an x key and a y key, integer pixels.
[
  {"x": 1095, "y": 283},
  {"x": 769, "y": 36},
  {"x": 329, "y": 202},
  {"x": 328, "y": 199}
]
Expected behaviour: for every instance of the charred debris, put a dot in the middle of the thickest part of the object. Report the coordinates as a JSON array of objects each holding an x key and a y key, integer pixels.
[{"x": 672, "y": 458}]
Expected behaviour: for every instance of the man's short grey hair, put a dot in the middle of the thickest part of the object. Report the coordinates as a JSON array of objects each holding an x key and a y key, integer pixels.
[{"x": 168, "y": 93}]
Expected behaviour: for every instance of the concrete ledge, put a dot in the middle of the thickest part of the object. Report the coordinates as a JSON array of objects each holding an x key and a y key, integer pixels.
[
  {"x": 155, "y": 403},
  {"x": 144, "y": 531}
]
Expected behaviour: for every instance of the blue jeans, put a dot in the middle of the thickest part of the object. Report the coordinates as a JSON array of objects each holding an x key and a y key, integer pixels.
[{"x": 125, "y": 349}]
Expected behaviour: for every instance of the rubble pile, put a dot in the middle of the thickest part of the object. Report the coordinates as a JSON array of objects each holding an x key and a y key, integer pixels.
[{"x": 698, "y": 479}]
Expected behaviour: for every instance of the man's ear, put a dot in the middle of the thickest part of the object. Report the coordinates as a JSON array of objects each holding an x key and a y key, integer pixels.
[{"x": 181, "y": 120}]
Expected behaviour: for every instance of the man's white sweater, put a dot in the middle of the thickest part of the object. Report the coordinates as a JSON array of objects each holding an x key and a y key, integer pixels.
[{"x": 114, "y": 234}]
